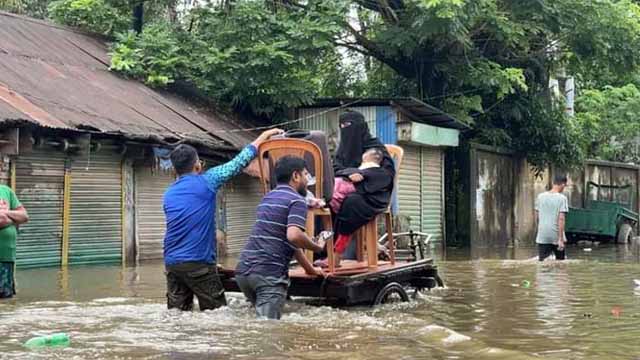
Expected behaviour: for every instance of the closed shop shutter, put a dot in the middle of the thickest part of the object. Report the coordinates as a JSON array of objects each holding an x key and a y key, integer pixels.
[
  {"x": 241, "y": 197},
  {"x": 95, "y": 225},
  {"x": 432, "y": 209},
  {"x": 40, "y": 188},
  {"x": 311, "y": 121},
  {"x": 409, "y": 197},
  {"x": 150, "y": 223}
]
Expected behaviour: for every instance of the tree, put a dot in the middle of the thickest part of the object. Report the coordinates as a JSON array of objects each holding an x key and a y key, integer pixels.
[
  {"x": 33, "y": 8},
  {"x": 249, "y": 56},
  {"x": 98, "y": 16},
  {"x": 609, "y": 123},
  {"x": 487, "y": 62}
]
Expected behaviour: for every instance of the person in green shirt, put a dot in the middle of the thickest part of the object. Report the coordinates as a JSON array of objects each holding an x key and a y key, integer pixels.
[{"x": 12, "y": 214}]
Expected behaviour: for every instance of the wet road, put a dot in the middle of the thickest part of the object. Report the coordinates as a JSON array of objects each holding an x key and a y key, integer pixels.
[{"x": 584, "y": 308}]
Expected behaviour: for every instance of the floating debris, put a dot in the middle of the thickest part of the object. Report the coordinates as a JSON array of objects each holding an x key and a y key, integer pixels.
[{"x": 53, "y": 340}]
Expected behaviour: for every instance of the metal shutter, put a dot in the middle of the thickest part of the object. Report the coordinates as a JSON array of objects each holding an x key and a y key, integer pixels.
[
  {"x": 40, "y": 188},
  {"x": 432, "y": 209},
  {"x": 241, "y": 196},
  {"x": 150, "y": 223},
  {"x": 409, "y": 196},
  {"x": 95, "y": 225}
]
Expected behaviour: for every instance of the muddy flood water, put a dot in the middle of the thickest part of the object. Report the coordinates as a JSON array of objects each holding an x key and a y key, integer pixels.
[{"x": 494, "y": 307}]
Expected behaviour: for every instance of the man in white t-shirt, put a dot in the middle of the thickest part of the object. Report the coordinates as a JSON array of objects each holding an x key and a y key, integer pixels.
[{"x": 551, "y": 209}]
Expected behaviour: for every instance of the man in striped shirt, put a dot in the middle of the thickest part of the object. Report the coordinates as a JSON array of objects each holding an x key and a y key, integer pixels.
[{"x": 277, "y": 236}]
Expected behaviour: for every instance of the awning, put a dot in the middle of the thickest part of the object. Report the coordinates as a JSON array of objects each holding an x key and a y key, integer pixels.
[{"x": 423, "y": 134}]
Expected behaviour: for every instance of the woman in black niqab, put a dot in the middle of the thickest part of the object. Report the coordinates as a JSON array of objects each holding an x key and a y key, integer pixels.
[{"x": 372, "y": 195}]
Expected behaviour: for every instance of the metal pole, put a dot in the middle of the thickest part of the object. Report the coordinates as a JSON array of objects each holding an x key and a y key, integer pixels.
[{"x": 66, "y": 207}]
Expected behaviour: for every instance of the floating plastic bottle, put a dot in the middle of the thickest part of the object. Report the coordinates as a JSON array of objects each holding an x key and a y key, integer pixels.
[{"x": 53, "y": 340}]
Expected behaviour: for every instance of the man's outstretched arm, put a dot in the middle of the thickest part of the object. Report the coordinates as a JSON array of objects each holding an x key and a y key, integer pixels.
[{"x": 217, "y": 176}]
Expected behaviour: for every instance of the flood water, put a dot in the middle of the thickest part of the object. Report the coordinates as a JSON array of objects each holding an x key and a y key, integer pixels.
[{"x": 584, "y": 308}]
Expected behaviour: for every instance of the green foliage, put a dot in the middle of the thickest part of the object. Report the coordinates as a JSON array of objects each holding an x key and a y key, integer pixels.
[
  {"x": 155, "y": 56},
  {"x": 604, "y": 42},
  {"x": 532, "y": 126},
  {"x": 92, "y": 15},
  {"x": 264, "y": 60},
  {"x": 609, "y": 123},
  {"x": 487, "y": 62},
  {"x": 33, "y": 8}
]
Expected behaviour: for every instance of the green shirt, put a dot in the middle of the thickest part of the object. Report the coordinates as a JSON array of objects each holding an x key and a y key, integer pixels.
[{"x": 8, "y": 234}]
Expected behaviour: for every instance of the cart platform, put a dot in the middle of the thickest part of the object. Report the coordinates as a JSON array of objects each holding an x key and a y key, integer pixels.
[{"x": 354, "y": 283}]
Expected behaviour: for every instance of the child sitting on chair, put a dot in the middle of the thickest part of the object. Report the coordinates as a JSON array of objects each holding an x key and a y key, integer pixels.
[
  {"x": 349, "y": 181},
  {"x": 346, "y": 179}
]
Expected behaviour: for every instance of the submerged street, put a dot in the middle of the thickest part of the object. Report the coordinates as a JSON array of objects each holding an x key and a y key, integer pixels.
[{"x": 509, "y": 308}]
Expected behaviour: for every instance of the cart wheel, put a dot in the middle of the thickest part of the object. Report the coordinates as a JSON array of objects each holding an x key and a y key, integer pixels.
[
  {"x": 392, "y": 292},
  {"x": 625, "y": 234}
]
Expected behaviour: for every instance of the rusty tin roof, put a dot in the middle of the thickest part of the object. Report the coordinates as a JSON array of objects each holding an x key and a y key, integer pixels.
[{"x": 58, "y": 77}]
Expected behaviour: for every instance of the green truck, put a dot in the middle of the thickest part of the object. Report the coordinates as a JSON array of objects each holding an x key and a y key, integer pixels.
[{"x": 609, "y": 218}]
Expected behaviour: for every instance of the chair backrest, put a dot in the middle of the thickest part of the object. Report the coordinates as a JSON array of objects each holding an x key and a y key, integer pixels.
[
  {"x": 397, "y": 154},
  {"x": 277, "y": 148}
]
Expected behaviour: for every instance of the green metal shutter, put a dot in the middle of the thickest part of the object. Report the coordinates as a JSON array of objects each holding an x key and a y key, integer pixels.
[
  {"x": 40, "y": 188},
  {"x": 95, "y": 225},
  {"x": 432, "y": 210},
  {"x": 409, "y": 197},
  {"x": 241, "y": 196},
  {"x": 150, "y": 223}
]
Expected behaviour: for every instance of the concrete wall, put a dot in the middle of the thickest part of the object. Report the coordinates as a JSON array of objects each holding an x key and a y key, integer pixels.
[
  {"x": 501, "y": 190},
  {"x": 528, "y": 185},
  {"x": 493, "y": 186}
]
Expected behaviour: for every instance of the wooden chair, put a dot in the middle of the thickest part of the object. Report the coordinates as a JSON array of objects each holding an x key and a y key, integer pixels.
[
  {"x": 368, "y": 234},
  {"x": 277, "y": 148}
]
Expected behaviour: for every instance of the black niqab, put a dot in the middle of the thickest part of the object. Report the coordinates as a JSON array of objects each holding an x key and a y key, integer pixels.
[
  {"x": 355, "y": 139},
  {"x": 374, "y": 194}
]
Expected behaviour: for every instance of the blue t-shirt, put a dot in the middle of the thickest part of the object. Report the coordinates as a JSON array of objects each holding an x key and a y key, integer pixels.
[
  {"x": 268, "y": 251},
  {"x": 189, "y": 208}
]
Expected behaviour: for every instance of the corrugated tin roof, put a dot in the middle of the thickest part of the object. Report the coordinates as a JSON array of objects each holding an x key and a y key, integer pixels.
[
  {"x": 419, "y": 110},
  {"x": 57, "y": 77}
]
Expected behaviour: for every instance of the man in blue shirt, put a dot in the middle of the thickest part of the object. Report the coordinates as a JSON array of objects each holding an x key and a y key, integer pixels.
[
  {"x": 190, "y": 243},
  {"x": 277, "y": 236}
]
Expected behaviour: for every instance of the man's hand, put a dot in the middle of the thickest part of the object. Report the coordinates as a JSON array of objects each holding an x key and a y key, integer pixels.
[
  {"x": 5, "y": 220},
  {"x": 356, "y": 178},
  {"x": 309, "y": 269},
  {"x": 560, "y": 244},
  {"x": 266, "y": 135},
  {"x": 314, "y": 271}
]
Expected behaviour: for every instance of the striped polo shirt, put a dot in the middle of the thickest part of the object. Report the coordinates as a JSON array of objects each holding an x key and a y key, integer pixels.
[{"x": 268, "y": 252}]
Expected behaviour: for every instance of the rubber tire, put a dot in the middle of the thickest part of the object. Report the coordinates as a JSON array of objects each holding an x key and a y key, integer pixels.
[
  {"x": 389, "y": 289},
  {"x": 625, "y": 234}
]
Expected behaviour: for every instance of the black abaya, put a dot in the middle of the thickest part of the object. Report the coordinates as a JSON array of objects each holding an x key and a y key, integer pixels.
[{"x": 372, "y": 195}]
